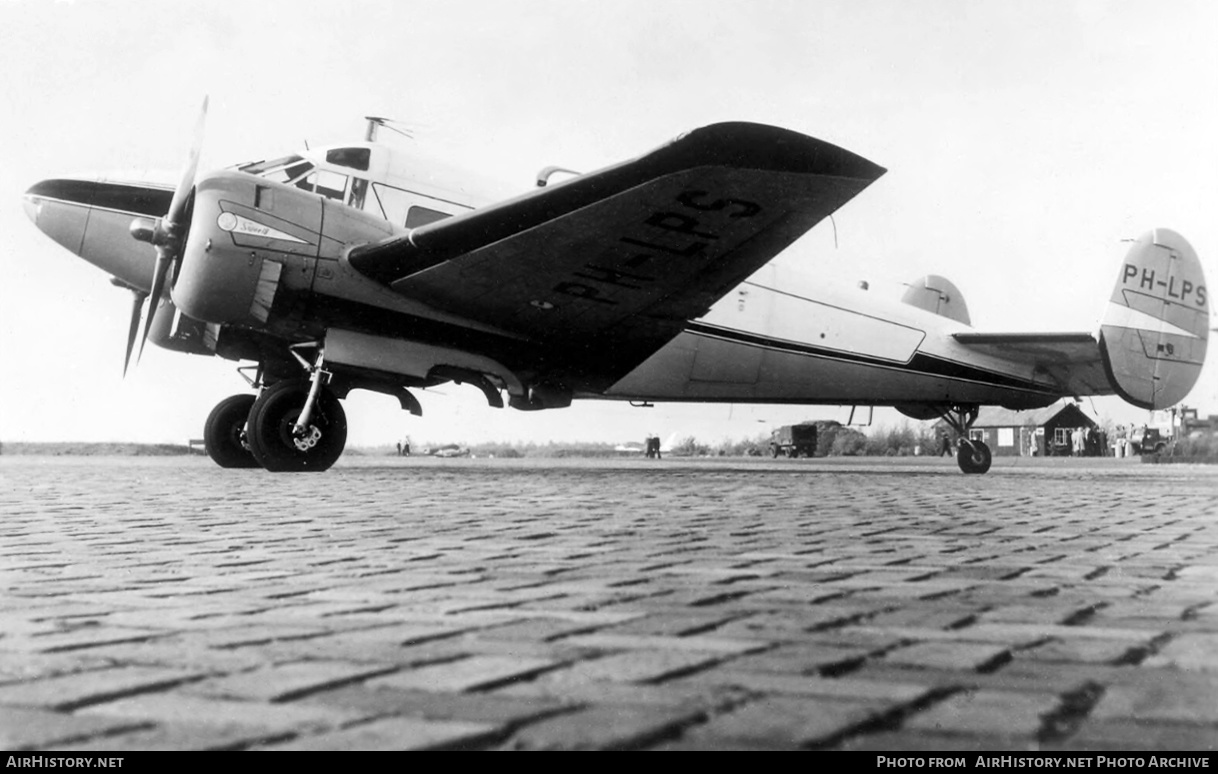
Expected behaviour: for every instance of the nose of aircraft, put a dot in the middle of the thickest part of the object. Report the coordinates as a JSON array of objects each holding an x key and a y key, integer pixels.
[
  {"x": 92, "y": 218},
  {"x": 60, "y": 209},
  {"x": 32, "y": 206}
]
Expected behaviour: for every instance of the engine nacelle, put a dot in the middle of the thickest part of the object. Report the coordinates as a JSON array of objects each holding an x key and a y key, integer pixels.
[
  {"x": 173, "y": 330},
  {"x": 919, "y": 411}
]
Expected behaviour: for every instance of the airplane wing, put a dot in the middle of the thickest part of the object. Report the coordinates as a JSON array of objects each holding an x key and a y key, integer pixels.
[
  {"x": 1071, "y": 362},
  {"x": 608, "y": 266}
]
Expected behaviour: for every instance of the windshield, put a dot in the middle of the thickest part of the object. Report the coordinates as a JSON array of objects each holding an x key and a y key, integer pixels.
[{"x": 281, "y": 170}]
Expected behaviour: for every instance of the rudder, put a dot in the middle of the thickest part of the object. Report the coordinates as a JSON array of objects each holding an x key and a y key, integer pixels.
[{"x": 1154, "y": 333}]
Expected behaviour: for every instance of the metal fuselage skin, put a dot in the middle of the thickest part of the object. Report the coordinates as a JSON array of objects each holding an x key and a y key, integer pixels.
[{"x": 264, "y": 266}]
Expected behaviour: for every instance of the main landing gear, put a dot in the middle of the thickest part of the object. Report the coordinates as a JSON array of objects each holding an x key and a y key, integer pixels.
[
  {"x": 224, "y": 433},
  {"x": 971, "y": 456},
  {"x": 293, "y": 425}
]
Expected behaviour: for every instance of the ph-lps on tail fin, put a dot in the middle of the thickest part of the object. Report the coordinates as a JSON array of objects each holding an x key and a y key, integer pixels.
[{"x": 1154, "y": 333}]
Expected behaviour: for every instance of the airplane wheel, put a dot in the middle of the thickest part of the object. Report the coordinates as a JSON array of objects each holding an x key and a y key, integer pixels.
[
  {"x": 222, "y": 434},
  {"x": 974, "y": 457},
  {"x": 273, "y": 418}
]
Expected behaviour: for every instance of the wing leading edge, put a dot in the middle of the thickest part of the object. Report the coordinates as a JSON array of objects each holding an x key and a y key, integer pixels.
[{"x": 618, "y": 260}]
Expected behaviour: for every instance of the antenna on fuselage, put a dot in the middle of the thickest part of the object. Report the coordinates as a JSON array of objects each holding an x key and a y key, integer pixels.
[{"x": 376, "y": 122}]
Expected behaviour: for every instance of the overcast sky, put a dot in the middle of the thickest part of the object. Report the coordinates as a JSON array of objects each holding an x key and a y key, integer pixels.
[{"x": 1024, "y": 141}]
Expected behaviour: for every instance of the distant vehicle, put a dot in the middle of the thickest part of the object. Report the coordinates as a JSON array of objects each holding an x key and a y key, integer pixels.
[
  {"x": 449, "y": 450},
  {"x": 1149, "y": 440},
  {"x": 793, "y": 441}
]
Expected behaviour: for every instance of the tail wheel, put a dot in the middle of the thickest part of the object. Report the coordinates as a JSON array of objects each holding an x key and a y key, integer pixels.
[
  {"x": 273, "y": 438},
  {"x": 974, "y": 457}
]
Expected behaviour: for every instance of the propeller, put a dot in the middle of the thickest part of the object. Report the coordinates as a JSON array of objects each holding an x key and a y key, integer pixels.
[
  {"x": 137, "y": 305},
  {"x": 168, "y": 236}
]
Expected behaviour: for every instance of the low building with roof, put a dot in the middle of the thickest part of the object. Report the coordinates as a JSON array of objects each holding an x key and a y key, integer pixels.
[{"x": 1046, "y": 431}]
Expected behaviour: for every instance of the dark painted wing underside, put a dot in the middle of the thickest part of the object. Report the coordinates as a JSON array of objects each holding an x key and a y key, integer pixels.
[{"x": 607, "y": 267}]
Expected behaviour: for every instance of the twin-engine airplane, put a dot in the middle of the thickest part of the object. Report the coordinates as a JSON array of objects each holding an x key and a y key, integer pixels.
[{"x": 358, "y": 267}]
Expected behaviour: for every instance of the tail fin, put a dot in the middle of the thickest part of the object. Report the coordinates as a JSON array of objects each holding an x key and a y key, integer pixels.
[{"x": 1153, "y": 336}]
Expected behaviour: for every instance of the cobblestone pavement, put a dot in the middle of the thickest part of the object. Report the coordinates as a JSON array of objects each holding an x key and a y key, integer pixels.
[{"x": 423, "y": 603}]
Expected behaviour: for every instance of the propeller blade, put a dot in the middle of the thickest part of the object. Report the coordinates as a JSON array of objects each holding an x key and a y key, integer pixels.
[
  {"x": 159, "y": 274},
  {"x": 168, "y": 234},
  {"x": 137, "y": 305},
  {"x": 177, "y": 207}
]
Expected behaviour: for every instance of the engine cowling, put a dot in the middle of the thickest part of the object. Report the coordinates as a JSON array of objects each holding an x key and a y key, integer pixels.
[{"x": 247, "y": 238}]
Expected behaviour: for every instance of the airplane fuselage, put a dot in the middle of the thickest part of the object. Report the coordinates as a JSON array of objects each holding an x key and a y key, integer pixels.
[
  {"x": 360, "y": 267},
  {"x": 265, "y": 263}
]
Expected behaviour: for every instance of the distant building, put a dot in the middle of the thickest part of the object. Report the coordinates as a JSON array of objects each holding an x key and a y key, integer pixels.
[{"x": 1048, "y": 431}]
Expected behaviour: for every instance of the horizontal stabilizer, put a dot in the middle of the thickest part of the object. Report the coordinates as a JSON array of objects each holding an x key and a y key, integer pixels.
[{"x": 1071, "y": 361}]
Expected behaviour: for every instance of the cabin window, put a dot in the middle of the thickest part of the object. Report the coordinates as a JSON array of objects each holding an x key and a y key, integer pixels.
[
  {"x": 420, "y": 216},
  {"x": 1061, "y": 436},
  {"x": 355, "y": 158},
  {"x": 398, "y": 206},
  {"x": 976, "y": 435},
  {"x": 392, "y": 201}
]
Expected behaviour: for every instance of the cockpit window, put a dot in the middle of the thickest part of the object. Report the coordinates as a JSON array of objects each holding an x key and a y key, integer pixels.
[
  {"x": 355, "y": 158},
  {"x": 329, "y": 184}
]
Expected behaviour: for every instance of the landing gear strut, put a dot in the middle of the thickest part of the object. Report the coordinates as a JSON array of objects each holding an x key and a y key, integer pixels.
[
  {"x": 971, "y": 456},
  {"x": 298, "y": 424}
]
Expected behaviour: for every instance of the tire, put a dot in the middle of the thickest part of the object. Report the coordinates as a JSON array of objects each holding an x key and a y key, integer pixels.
[
  {"x": 223, "y": 434},
  {"x": 270, "y": 428},
  {"x": 974, "y": 457}
]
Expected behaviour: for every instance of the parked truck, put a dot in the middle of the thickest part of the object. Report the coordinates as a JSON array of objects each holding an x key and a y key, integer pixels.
[
  {"x": 1150, "y": 440},
  {"x": 793, "y": 441}
]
